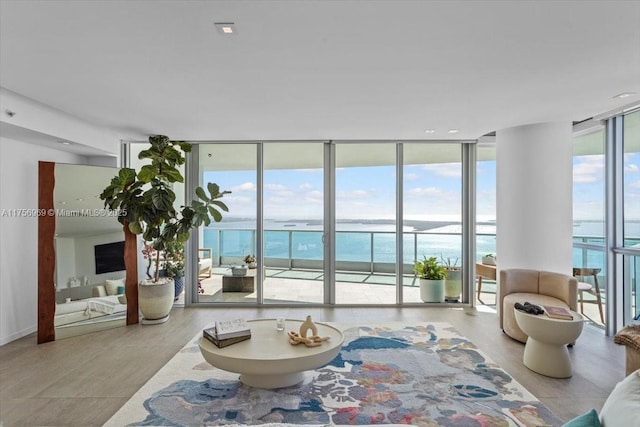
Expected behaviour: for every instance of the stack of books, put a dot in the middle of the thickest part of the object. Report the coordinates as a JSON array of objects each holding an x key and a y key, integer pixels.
[{"x": 227, "y": 332}]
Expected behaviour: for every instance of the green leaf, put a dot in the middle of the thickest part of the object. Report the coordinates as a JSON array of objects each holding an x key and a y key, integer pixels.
[
  {"x": 221, "y": 205},
  {"x": 213, "y": 188},
  {"x": 135, "y": 227},
  {"x": 217, "y": 216},
  {"x": 200, "y": 193},
  {"x": 147, "y": 173},
  {"x": 172, "y": 174}
]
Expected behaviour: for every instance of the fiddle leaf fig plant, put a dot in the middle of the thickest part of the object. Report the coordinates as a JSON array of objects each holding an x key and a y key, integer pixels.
[{"x": 145, "y": 199}]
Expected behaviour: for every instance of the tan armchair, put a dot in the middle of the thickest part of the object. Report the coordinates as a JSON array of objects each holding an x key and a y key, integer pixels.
[{"x": 536, "y": 287}]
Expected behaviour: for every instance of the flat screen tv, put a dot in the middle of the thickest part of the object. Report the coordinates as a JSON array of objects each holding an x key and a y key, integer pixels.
[{"x": 109, "y": 257}]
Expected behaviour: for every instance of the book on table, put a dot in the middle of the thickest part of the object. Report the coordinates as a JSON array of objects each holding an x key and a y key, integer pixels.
[
  {"x": 231, "y": 328},
  {"x": 558, "y": 312},
  {"x": 210, "y": 334}
]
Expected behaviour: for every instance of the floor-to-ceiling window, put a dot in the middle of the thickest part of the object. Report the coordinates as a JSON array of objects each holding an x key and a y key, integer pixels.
[
  {"x": 589, "y": 219},
  {"x": 225, "y": 244},
  {"x": 631, "y": 211},
  {"x": 365, "y": 211},
  {"x": 486, "y": 219},
  {"x": 432, "y": 209},
  {"x": 293, "y": 204}
]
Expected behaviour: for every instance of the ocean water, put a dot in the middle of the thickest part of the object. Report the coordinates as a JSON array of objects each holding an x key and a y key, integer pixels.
[
  {"x": 356, "y": 242},
  {"x": 374, "y": 241}
]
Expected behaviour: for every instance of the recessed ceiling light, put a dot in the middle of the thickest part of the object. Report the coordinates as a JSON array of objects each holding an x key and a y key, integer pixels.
[
  {"x": 226, "y": 27},
  {"x": 624, "y": 95},
  {"x": 453, "y": 131},
  {"x": 64, "y": 142},
  {"x": 430, "y": 131}
]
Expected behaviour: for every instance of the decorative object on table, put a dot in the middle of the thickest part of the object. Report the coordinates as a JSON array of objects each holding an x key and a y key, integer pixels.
[
  {"x": 231, "y": 328},
  {"x": 144, "y": 201},
  {"x": 453, "y": 280},
  {"x": 210, "y": 334},
  {"x": 527, "y": 307},
  {"x": 432, "y": 276},
  {"x": 303, "y": 337},
  {"x": 311, "y": 341},
  {"x": 428, "y": 371},
  {"x": 489, "y": 259},
  {"x": 239, "y": 270},
  {"x": 307, "y": 326},
  {"x": 557, "y": 312},
  {"x": 251, "y": 261},
  {"x": 280, "y": 323}
]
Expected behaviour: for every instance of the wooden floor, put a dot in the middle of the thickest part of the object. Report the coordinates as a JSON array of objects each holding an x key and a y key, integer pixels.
[{"x": 83, "y": 381}]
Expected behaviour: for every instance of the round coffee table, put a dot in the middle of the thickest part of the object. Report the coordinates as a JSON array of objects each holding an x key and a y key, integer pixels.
[
  {"x": 267, "y": 360},
  {"x": 546, "y": 349}
]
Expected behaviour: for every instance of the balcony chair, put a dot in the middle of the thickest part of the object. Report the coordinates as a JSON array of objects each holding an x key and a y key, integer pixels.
[
  {"x": 536, "y": 287},
  {"x": 589, "y": 288}
]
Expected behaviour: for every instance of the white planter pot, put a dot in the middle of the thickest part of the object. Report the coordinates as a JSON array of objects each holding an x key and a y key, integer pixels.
[
  {"x": 432, "y": 290},
  {"x": 488, "y": 260},
  {"x": 453, "y": 285},
  {"x": 155, "y": 300}
]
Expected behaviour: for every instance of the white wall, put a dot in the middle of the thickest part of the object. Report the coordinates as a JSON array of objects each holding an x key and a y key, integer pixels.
[
  {"x": 65, "y": 261},
  {"x": 85, "y": 257},
  {"x": 19, "y": 241}
]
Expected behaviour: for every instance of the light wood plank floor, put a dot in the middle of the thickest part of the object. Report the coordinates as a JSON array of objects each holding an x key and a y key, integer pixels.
[{"x": 83, "y": 381}]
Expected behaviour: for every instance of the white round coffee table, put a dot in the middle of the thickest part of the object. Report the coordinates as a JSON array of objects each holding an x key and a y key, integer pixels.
[
  {"x": 267, "y": 360},
  {"x": 546, "y": 349}
]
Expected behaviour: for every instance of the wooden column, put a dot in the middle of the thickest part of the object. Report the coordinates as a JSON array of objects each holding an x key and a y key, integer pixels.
[
  {"x": 131, "y": 281},
  {"x": 46, "y": 253}
]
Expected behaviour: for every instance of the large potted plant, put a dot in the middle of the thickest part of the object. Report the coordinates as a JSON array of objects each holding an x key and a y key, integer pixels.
[
  {"x": 145, "y": 200},
  {"x": 432, "y": 276}
]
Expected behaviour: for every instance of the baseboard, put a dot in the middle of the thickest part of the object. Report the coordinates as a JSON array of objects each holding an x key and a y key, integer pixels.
[{"x": 17, "y": 335}]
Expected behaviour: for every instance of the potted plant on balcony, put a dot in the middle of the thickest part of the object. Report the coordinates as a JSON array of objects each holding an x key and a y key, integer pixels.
[
  {"x": 251, "y": 262},
  {"x": 145, "y": 200},
  {"x": 489, "y": 259},
  {"x": 453, "y": 281},
  {"x": 432, "y": 276}
]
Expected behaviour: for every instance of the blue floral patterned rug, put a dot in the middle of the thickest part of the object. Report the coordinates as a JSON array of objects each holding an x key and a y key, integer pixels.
[{"x": 426, "y": 375}]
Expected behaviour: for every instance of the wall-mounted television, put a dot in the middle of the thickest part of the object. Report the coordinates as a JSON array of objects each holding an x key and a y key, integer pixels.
[{"x": 109, "y": 257}]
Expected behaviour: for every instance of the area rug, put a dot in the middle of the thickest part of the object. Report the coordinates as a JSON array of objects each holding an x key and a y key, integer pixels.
[{"x": 427, "y": 375}]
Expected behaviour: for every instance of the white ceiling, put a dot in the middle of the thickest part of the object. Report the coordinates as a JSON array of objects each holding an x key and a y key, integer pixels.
[{"x": 321, "y": 69}]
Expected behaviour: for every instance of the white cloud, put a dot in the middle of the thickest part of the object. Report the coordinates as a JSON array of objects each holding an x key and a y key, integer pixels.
[
  {"x": 244, "y": 187},
  {"x": 447, "y": 170},
  {"x": 306, "y": 186},
  {"x": 588, "y": 169},
  {"x": 424, "y": 192},
  {"x": 275, "y": 187},
  {"x": 411, "y": 176},
  {"x": 355, "y": 194}
]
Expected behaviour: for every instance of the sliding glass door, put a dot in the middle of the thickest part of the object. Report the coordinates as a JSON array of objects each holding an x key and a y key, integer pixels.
[
  {"x": 293, "y": 203},
  {"x": 223, "y": 246}
]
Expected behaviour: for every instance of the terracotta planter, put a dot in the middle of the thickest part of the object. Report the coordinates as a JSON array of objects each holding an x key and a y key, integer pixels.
[{"x": 155, "y": 300}]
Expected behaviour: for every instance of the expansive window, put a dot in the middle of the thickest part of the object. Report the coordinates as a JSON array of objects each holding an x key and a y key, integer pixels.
[
  {"x": 486, "y": 219},
  {"x": 589, "y": 217},
  {"x": 365, "y": 223},
  {"x": 293, "y": 206},
  {"x": 432, "y": 210},
  {"x": 224, "y": 245},
  {"x": 631, "y": 197}
]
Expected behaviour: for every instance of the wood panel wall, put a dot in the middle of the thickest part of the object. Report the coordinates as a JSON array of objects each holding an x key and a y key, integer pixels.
[{"x": 46, "y": 253}]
